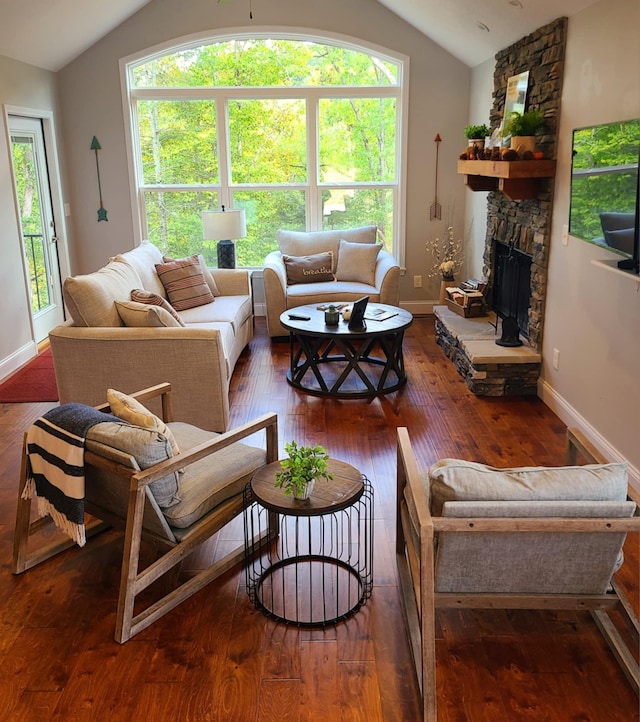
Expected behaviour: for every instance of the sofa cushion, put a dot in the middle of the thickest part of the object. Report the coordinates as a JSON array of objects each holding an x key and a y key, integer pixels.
[
  {"x": 209, "y": 482},
  {"x": 142, "y": 315},
  {"x": 234, "y": 310},
  {"x": 458, "y": 480},
  {"x": 143, "y": 259},
  {"x": 357, "y": 262},
  {"x": 184, "y": 283},
  {"x": 91, "y": 298},
  {"x": 129, "y": 409},
  {"x": 299, "y": 243},
  {"x": 141, "y": 295},
  {"x": 208, "y": 277},
  {"x": 309, "y": 269},
  {"x": 141, "y": 448}
]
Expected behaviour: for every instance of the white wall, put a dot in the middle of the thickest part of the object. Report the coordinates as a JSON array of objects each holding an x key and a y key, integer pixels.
[
  {"x": 592, "y": 315},
  {"x": 23, "y": 86},
  {"x": 91, "y": 97},
  {"x": 480, "y": 105}
]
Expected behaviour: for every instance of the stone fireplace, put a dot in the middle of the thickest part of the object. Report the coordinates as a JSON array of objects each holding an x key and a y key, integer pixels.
[{"x": 517, "y": 238}]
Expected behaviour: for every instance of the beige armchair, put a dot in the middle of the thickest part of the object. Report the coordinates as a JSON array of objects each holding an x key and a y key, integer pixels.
[
  {"x": 460, "y": 544},
  {"x": 352, "y": 278}
]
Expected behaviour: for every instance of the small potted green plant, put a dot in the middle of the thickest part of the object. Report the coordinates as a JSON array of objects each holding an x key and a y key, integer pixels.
[
  {"x": 476, "y": 132},
  {"x": 522, "y": 128},
  {"x": 332, "y": 316},
  {"x": 301, "y": 468}
]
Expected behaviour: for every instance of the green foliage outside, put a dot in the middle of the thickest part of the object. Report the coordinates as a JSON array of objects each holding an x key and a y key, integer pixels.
[
  {"x": 31, "y": 219},
  {"x": 270, "y": 164},
  {"x": 605, "y": 171}
]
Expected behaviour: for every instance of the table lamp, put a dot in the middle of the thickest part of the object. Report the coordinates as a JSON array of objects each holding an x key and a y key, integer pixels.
[{"x": 224, "y": 226}]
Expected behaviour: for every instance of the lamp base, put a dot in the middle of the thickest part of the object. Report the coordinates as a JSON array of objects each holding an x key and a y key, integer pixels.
[{"x": 226, "y": 254}]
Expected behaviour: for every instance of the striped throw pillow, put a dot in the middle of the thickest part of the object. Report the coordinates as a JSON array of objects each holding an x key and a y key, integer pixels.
[
  {"x": 184, "y": 283},
  {"x": 150, "y": 298}
]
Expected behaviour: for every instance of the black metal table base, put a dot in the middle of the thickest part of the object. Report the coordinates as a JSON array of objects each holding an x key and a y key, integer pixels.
[
  {"x": 345, "y": 367},
  {"x": 319, "y": 570}
]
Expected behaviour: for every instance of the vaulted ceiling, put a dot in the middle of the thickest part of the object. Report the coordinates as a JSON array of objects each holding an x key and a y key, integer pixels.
[{"x": 51, "y": 33}]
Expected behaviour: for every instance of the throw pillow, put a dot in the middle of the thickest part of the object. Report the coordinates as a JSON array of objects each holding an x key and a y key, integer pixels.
[
  {"x": 208, "y": 276},
  {"x": 141, "y": 315},
  {"x": 309, "y": 269},
  {"x": 184, "y": 283},
  {"x": 357, "y": 262},
  {"x": 129, "y": 409},
  {"x": 141, "y": 295}
]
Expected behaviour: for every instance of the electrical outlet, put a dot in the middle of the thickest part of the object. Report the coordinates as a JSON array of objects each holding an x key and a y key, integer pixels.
[
  {"x": 417, "y": 281},
  {"x": 565, "y": 235},
  {"x": 556, "y": 359}
]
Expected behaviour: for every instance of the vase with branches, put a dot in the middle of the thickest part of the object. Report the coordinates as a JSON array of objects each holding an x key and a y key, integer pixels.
[{"x": 446, "y": 253}]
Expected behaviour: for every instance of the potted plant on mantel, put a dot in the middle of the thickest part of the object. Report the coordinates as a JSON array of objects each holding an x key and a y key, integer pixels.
[
  {"x": 476, "y": 134},
  {"x": 522, "y": 128},
  {"x": 300, "y": 470}
]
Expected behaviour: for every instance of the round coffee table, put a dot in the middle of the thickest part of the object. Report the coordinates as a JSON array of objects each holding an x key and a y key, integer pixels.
[
  {"x": 343, "y": 363},
  {"x": 319, "y": 569}
]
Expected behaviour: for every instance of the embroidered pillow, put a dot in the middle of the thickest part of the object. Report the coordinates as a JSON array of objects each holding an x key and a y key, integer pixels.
[
  {"x": 129, "y": 409},
  {"x": 141, "y": 295},
  {"x": 208, "y": 276},
  {"x": 141, "y": 315},
  {"x": 357, "y": 262},
  {"x": 184, "y": 283},
  {"x": 309, "y": 269}
]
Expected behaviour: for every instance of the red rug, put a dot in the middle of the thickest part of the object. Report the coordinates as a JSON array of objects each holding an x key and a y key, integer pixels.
[{"x": 34, "y": 382}]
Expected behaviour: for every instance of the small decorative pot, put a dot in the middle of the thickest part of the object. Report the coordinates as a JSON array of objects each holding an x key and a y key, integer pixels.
[
  {"x": 523, "y": 143},
  {"x": 331, "y": 317},
  {"x": 306, "y": 492}
]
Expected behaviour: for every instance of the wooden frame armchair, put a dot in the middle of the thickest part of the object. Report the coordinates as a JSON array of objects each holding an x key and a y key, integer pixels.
[
  {"x": 431, "y": 552},
  {"x": 118, "y": 494}
]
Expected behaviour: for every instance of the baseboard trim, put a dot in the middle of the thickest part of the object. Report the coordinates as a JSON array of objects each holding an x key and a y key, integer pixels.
[{"x": 569, "y": 416}]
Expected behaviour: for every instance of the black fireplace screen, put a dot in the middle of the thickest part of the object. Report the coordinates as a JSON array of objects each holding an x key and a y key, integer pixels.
[{"x": 512, "y": 285}]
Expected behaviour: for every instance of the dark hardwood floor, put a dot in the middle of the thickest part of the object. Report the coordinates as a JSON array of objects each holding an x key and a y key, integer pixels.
[{"x": 215, "y": 658}]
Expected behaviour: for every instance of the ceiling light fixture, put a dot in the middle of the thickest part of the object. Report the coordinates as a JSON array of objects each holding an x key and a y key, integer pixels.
[
  {"x": 515, "y": 4},
  {"x": 482, "y": 26}
]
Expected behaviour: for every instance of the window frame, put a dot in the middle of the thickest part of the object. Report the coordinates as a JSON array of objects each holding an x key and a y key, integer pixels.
[{"x": 311, "y": 95}]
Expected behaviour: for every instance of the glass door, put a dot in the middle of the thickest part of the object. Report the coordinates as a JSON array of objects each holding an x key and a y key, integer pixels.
[{"x": 33, "y": 195}]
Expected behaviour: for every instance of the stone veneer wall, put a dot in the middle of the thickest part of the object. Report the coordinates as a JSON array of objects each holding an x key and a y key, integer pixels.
[{"x": 527, "y": 223}]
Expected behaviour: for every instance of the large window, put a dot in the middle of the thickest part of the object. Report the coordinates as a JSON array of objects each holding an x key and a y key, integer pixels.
[{"x": 303, "y": 135}]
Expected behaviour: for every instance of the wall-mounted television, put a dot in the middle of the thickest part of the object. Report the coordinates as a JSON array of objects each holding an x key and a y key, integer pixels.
[{"x": 605, "y": 188}]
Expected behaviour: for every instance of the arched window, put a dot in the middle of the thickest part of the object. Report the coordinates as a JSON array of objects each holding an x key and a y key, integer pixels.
[{"x": 305, "y": 135}]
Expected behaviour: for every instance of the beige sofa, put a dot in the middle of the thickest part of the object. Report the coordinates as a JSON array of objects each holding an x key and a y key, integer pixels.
[
  {"x": 96, "y": 350},
  {"x": 353, "y": 273}
]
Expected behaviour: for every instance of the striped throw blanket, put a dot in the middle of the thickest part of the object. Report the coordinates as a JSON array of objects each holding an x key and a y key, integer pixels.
[{"x": 55, "y": 464}]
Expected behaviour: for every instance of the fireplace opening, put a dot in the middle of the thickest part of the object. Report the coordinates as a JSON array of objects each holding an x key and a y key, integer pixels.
[{"x": 512, "y": 285}]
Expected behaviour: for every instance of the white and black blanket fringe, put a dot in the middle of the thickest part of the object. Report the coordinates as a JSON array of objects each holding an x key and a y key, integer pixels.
[{"x": 55, "y": 464}]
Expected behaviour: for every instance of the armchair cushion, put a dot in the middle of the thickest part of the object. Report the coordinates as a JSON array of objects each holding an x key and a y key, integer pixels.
[
  {"x": 458, "y": 480},
  {"x": 202, "y": 488},
  {"x": 357, "y": 262},
  {"x": 298, "y": 243},
  {"x": 137, "y": 448},
  {"x": 309, "y": 269}
]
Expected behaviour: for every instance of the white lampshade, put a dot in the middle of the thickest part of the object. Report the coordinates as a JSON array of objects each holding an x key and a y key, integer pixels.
[{"x": 224, "y": 225}]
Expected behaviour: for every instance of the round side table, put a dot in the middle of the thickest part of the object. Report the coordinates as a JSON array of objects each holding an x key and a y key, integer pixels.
[{"x": 319, "y": 568}]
